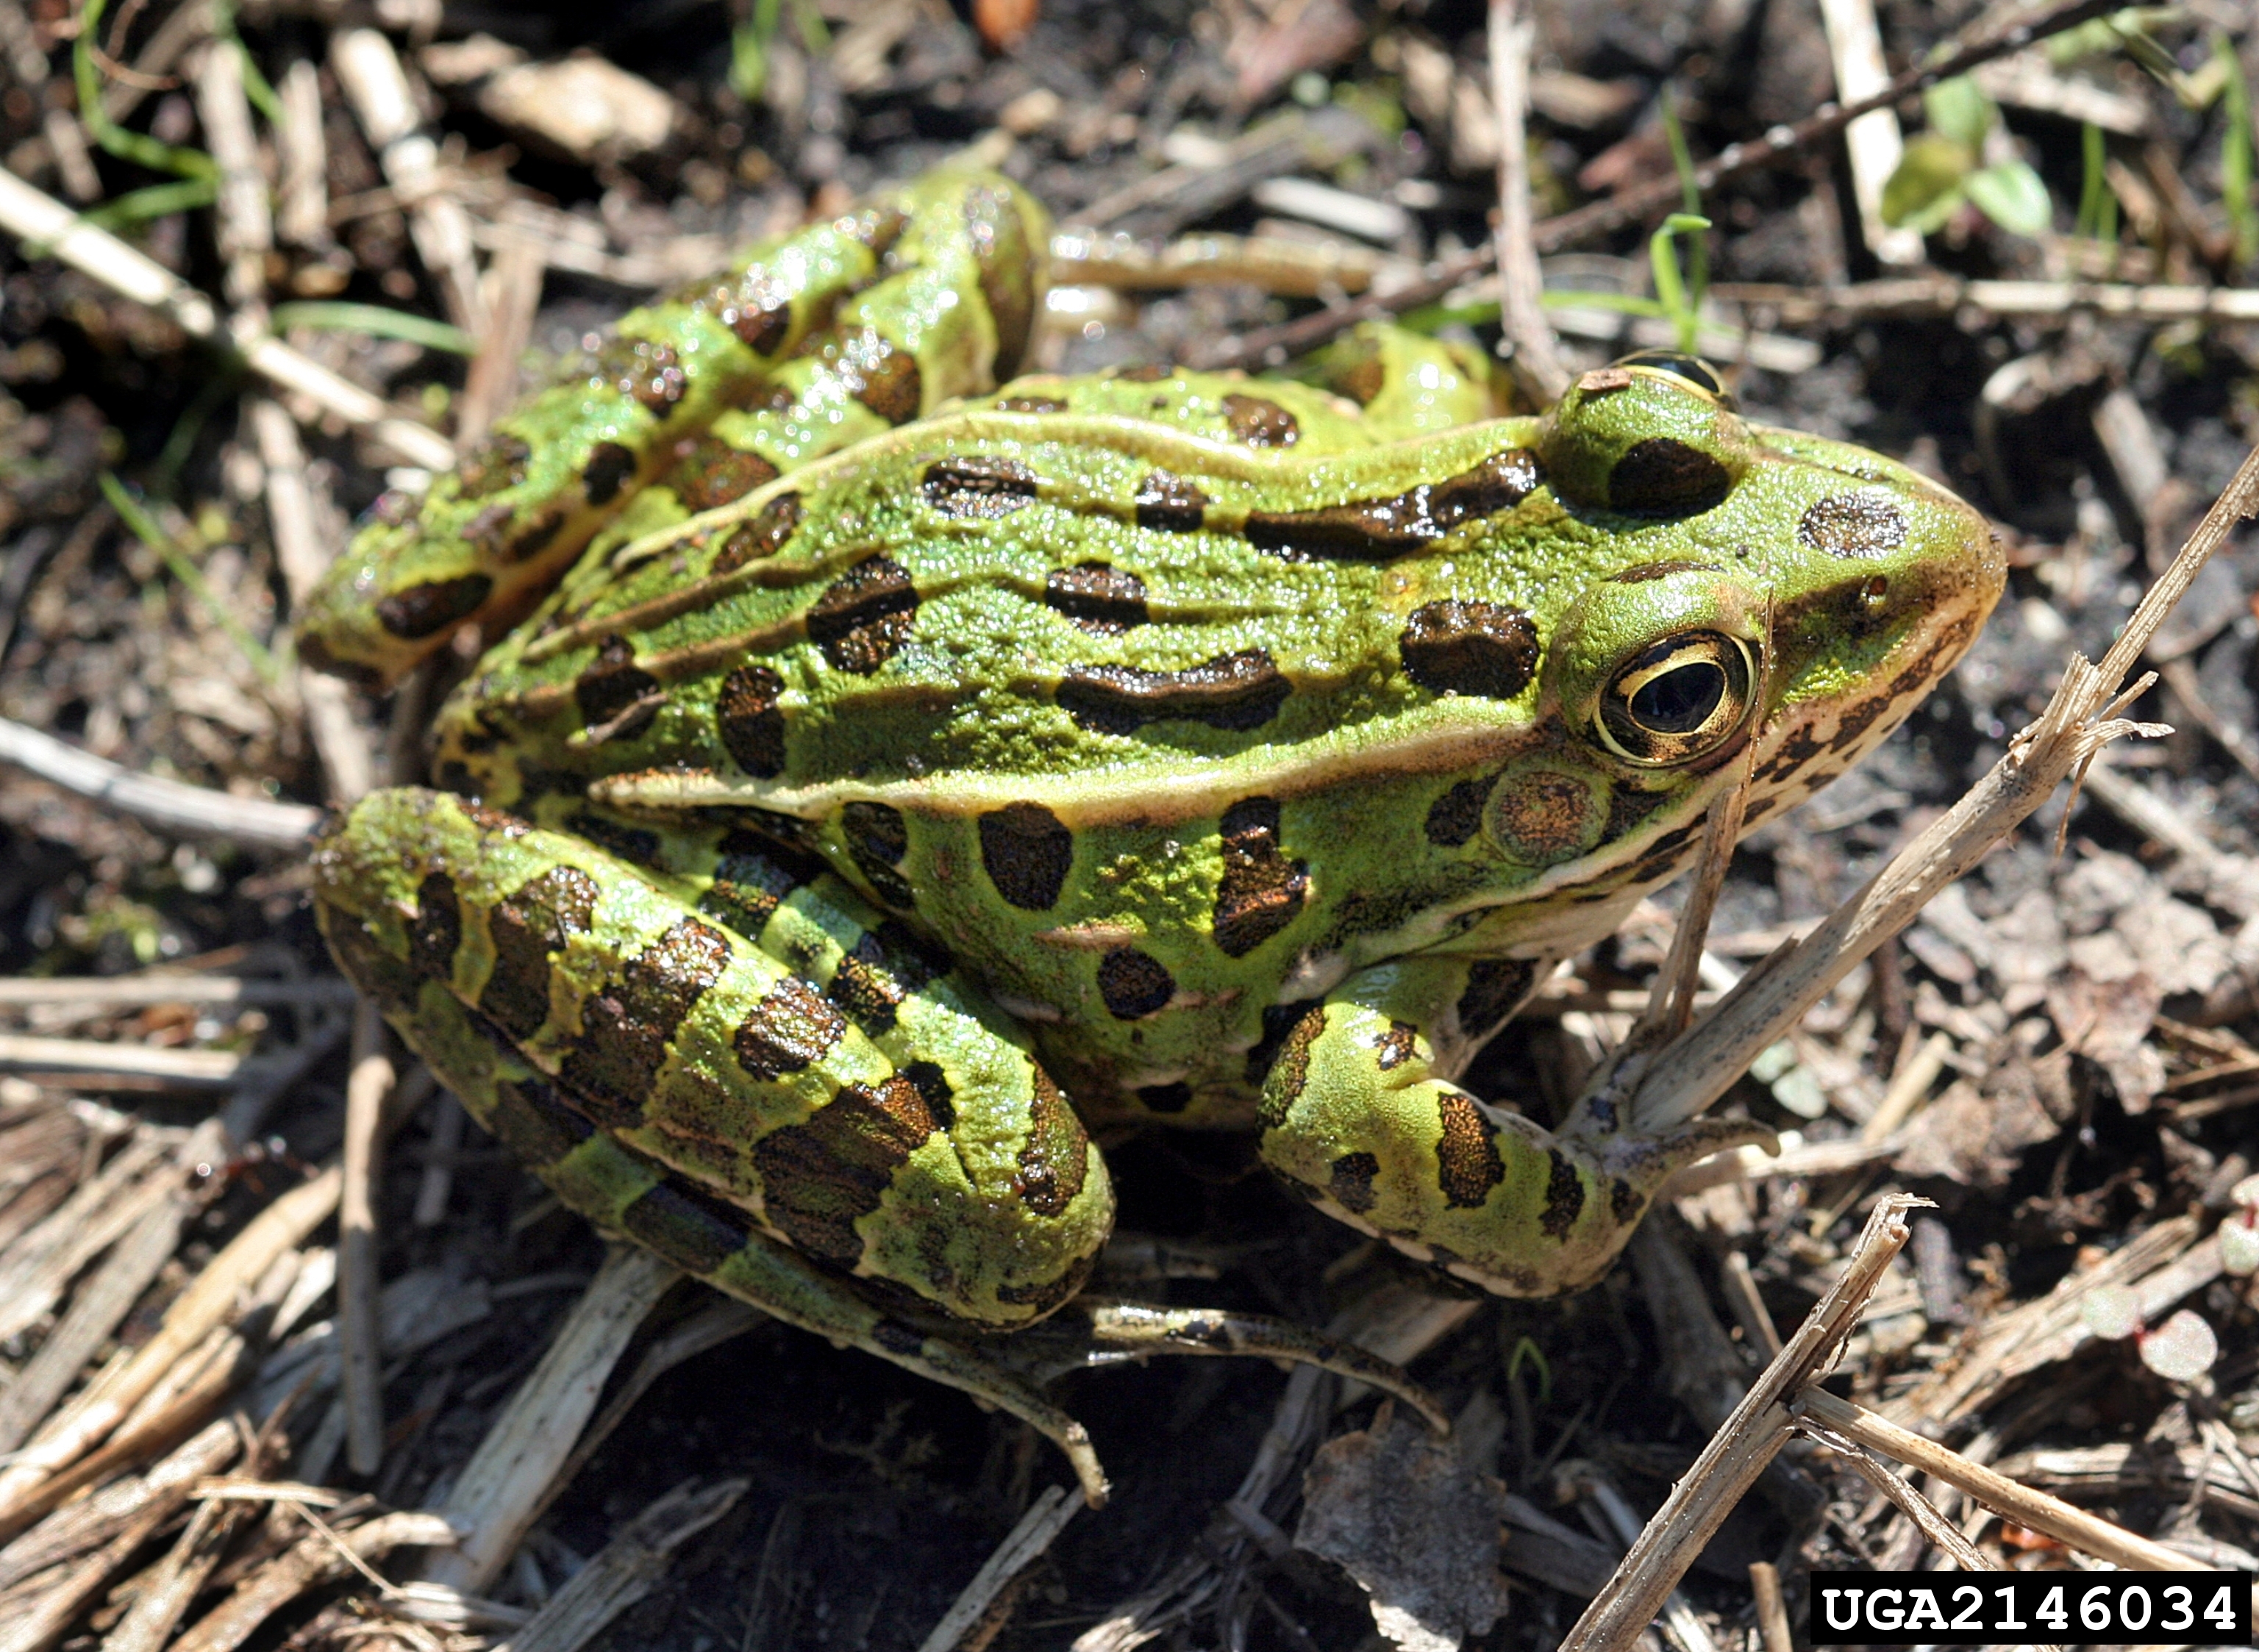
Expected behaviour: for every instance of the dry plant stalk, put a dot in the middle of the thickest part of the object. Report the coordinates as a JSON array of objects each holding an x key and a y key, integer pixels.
[
  {"x": 1535, "y": 361},
  {"x": 1740, "y": 1450},
  {"x": 42, "y": 222},
  {"x": 2036, "y": 1510}
]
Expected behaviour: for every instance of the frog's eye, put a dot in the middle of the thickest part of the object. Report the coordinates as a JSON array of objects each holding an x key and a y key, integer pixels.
[
  {"x": 1693, "y": 369},
  {"x": 1678, "y": 699}
]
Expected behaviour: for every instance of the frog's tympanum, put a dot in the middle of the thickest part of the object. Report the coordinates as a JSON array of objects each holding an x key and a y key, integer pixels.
[{"x": 891, "y": 778}]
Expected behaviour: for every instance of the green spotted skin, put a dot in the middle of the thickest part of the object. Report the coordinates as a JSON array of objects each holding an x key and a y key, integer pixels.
[
  {"x": 1101, "y": 752},
  {"x": 845, "y": 330}
]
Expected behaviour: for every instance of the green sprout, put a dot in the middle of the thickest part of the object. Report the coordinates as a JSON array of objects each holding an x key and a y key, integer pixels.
[
  {"x": 2097, "y": 203},
  {"x": 1943, "y": 169}
]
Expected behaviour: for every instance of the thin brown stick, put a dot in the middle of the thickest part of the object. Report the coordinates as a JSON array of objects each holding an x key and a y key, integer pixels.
[
  {"x": 191, "y": 811},
  {"x": 1670, "y": 1003},
  {"x": 209, "y": 1302},
  {"x": 42, "y": 222},
  {"x": 2089, "y": 1533},
  {"x": 1534, "y": 359},
  {"x": 508, "y": 1479},
  {"x": 360, "y": 1351},
  {"x": 1044, "y": 1519},
  {"x": 1739, "y": 1451},
  {"x": 1772, "y": 1610}
]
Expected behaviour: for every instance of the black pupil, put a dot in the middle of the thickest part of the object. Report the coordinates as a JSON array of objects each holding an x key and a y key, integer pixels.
[
  {"x": 1685, "y": 366},
  {"x": 1679, "y": 701}
]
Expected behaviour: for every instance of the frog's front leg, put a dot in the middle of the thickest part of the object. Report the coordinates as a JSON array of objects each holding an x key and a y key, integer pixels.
[{"x": 1356, "y": 1115}]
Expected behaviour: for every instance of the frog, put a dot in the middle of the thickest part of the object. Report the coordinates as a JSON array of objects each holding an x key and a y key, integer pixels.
[{"x": 888, "y": 777}]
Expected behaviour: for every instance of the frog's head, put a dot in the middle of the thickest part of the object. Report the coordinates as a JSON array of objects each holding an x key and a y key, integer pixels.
[{"x": 1734, "y": 589}]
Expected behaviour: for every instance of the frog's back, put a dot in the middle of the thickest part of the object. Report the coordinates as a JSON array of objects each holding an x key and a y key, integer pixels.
[{"x": 1161, "y": 721}]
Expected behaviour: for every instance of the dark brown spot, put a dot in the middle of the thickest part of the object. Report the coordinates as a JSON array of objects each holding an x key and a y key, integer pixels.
[
  {"x": 749, "y": 721},
  {"x": 1648, "y": 571},
  {"x": 1467, "y": 1164},
  {"x": 1261, "y": 891},
  {"x": 529, "y": 928},
  {"x": 617, "y": 699},
  {"x": 535, "y": 537},
  {"x": 1165, "y": 1097},
  {"x": 1350, "y": 1180},
  {"x": 1485, "y": 649},
  {"x": 1167, "y": 503},
  {"x": 627, "y": 1023},
  {"x": 493, "y": 820},
  {"x": 877, "y": 838},
  {"x": 1398, "y": 1044},
  {"x": 1279, "y": 1020},
  {"x": 534, "y": 1124},
  {"x": 790, "y": 1027},
  {"x": 485, "y": 532},
  {"x": 1027, "y": 852},
  {"x": 437, "y": 929},
  {"x": 1664, "y": 477},
  {"x": 878, "y": 227},
  {"x": 638, "y": 844},
  {"x": 709, "y": 472},
  {"x": 1057, "y": 1158},
  {"x": 1494, "y": 990},
  {"x": 819, "y": 1178},
  {"x": 692, "y": 1229},
  {"x": 751, "y": 541},
  {"x": 1853, "y": 525},
  {"x": 1798, "y": 748},
  {"x": 1106, "y": 600},
  {"x": 977, "y": 485},
  {"x": 1146, "y": 372},
  {"x": 761, "y": 314},
  {"x": 1291, "y": 1070},
  {"x": 1007, "y": 260},
  {"x": 424, "y": 611},
  {"x": 609, "y": 468},
  {"x": 1260, "y": 423},
  {"x": 1565, "y": 1197},
  {"x": 1133, "y": 984},
  {"x": 1627, "y": 807},
  {"x": 1375, "y": 529},
  {"x": 748, "y": 885},
  {"x": 1232, "y": 691},
  {"x": 652, "y": 374},
  {"x": 1624, "y": 1201},
  {"x": 1454, "y": 818},
  {"x": 871, "y": 984},
  {"x": 1362, "y": 379},
  {"x": 933, "y": 1084},
  {"x": 865, "y": 616},
  {"x": 496, "y": 463},
  {"x": 898, "y": 1338},
  {"x": 1030, "y": 404},
  {"x": 884, "y": 379}
]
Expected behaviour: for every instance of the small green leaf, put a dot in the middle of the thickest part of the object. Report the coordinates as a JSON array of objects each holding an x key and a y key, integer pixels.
[
  {"x": 1958, "y": 109},
  {"x": 2012, "y": 197},
  {"x": 1932, "y": 169}
]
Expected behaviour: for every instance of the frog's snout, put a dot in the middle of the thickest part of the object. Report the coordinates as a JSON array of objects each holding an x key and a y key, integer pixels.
[{"x": 1655, "y": 435}]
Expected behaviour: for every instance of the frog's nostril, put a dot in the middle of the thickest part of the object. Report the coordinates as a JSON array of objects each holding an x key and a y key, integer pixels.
[{"x": 1664, "y": 477}]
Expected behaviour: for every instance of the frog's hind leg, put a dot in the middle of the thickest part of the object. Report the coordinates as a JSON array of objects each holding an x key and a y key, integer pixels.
[
  {"x": 1358, "y": 1116},
  {"x": 710, "y": 1240},
  {"x": 781, "y": 1117}
]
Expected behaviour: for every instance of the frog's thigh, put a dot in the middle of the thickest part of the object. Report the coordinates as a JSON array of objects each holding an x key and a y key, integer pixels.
[
  {"x": 933, "y": 1155},
  {"x": 1355, "y": 1115},
  {"x": 707, "y": 1239}
]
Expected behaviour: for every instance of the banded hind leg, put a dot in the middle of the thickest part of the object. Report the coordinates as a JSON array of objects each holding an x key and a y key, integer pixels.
[
  {"x": 1358, "y": 1113},
  {"x": 741, "y": 1066}
]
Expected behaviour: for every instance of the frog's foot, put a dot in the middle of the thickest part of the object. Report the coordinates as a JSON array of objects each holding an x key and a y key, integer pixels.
[
  {"x": 1357, "y": 1119},
  {"x": 1100, "y": 1331}
]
